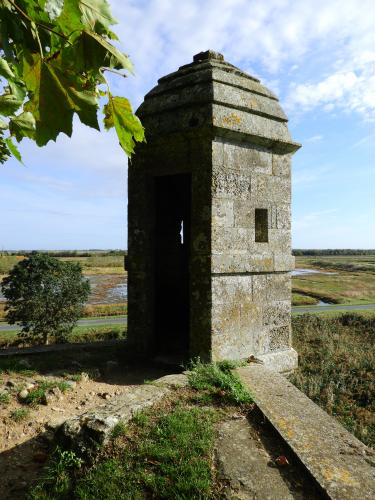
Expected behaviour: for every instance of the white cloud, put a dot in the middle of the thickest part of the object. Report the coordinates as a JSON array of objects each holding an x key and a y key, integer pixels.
[
  {"x": 273, "y": 38},
  {"x": 314, "y": 138},
  {"x": 349, "y": 91},
  {"x": 314, "y": 219}
]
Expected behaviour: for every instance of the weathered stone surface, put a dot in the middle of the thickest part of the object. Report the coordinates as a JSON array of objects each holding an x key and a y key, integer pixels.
[
  {"x": 84, "y": 433},
  {"x": 221, "y": 126},
  {"x": 243, "y": 465},
  {"x": 343, "y": 466}
]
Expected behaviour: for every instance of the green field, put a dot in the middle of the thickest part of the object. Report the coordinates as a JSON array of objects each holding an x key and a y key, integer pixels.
[
  {"x": 351, "y": 280},
  {"x": 91, "y": 264},
  {"x": 95, "y": 333}
]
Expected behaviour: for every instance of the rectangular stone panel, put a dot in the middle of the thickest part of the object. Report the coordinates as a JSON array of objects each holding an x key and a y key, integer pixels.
[
  {"x": 243, "y": 262},
  {"x": 283, "y": 217},
  {"x": 276, "y": 313},
  {"x": 281, "y": 164},
  {"x": 279, "y": 241},
  {"x": 279, "y": 337},
  {"x": 230, "y": 183},
  {"x": 271, "y": 287},
  {"x": 251, "y": 102},
  {"x": 248, "y": 123},
  {"x": 235, "y": 317},
  {"x": 222, "y": 212},
  {"x": 248, "y": 157}
]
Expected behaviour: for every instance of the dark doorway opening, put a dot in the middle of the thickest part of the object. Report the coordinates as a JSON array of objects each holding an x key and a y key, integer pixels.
[{"x": 172, "y": 251}]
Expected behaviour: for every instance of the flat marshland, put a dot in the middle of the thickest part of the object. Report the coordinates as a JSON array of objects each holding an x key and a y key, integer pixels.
[{"x": 343, "y": 279}]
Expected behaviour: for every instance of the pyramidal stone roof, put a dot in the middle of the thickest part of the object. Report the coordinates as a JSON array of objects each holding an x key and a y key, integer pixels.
[{"x": 213, "y": 94}]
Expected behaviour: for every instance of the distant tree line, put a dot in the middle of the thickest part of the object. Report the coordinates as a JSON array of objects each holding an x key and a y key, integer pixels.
[
  {"x": 65, "y": 253},
  {"x": 331, "y": 251}
]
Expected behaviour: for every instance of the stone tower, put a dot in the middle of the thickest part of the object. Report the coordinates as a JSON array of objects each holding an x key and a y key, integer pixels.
[{"x": 209, "y": 219}]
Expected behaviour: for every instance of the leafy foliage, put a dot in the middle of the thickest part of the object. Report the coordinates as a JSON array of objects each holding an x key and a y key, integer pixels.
[
  {"x": 53, "y": 56},
  {"x": 45, "y": 296}
]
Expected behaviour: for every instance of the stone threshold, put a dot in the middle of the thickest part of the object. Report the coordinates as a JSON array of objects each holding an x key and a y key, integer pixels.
[{"x": 343, "y": 467}]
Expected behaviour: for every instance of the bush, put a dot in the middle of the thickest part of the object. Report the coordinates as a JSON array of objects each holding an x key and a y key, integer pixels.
[{"x": 45, "y": 296}]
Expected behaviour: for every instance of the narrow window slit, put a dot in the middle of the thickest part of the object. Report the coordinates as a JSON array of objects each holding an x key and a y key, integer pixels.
[{"x": 261, "y": 225}]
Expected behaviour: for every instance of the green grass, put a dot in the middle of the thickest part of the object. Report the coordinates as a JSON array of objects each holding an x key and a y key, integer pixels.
[
  {"x": 303, "y": 300},
  {"x": 336, "y": 313},
  {"x": 336, "y": 368},
  {"x": 79, "y": 334},
  {"x": 56, "y": 480},
  {"x": 7, "y": 262},
  {"x": 15, "y": 365},
  {"x": 217, "y": 381},
  {"x": 164, "y": 452},
  {"x": 20, "y": 414},
  {"x": 38, "y": 394},
  {"x": 4, "y": 398},
  {"x": 105, "y": 310},
  {"x": 352, "y": 281},
  {"x": 166, "y": 455}
]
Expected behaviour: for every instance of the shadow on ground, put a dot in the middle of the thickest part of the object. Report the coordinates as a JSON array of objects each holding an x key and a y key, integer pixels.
[{"x": 21, "y": 465}]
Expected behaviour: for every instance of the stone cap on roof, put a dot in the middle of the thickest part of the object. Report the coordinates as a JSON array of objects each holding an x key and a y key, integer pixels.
[{"x": 212, "y": 93}]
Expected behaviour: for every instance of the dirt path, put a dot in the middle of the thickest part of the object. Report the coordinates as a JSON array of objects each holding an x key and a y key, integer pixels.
[{"x": 25, "y": 442}]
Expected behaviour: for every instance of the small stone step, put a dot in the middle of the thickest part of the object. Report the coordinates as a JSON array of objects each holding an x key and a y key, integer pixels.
[
  {"x": 342, "y": 465},
  {"x": 243, "y": 465}
]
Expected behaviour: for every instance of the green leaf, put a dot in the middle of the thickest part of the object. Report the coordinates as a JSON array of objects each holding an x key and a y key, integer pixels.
[
  {"x": 96, "y": 12},
  {"x": 9, "y": 104},
  {"x": 13, "y": 149},
  {"x": 5, "y": 69},
  {"x": 18, "y": 89},
  {"x": 22, "y": 126},
  {"x": 56, "y": 95},
  {"x": 69, "y": 21},
  {"x": 3, "y": 125},
  {"x": 121, "y": 59},
  {"x": 90, "y": 14},
  {"x": 118, "y": 114}
]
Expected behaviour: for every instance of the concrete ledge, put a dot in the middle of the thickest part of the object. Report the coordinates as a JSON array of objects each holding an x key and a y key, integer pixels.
[
  {"x": 280, "y": 361},
  {"x": 342, "y": 465}
]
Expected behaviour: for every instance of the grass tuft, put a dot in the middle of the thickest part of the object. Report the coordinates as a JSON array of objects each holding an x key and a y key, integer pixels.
[
  {"x": 19, "y": 414},
  {"x": 57, "y": 478},
  {"x": 4, "y": 398},
  {"x": 118, "y": 430},
  {"x": 218, "y": 381},
  {"x": 38, "y": 395}
]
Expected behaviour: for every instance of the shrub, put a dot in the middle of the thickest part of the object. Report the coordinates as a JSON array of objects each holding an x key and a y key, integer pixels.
[{"x": 45, "y": 296}]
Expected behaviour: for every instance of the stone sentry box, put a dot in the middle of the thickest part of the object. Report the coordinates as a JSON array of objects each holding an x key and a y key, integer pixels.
[{"x": 209, "y": 219}]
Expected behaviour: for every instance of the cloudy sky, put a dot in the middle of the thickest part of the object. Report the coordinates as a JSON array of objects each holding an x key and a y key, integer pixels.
[{"x": 317, "y": 55}]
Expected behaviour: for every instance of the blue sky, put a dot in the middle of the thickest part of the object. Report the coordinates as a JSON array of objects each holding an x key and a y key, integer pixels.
[{"x": 319, "y": 58}]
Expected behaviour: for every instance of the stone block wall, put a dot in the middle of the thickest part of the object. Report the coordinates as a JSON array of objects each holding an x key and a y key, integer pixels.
[{"x": 250, "y": 280}]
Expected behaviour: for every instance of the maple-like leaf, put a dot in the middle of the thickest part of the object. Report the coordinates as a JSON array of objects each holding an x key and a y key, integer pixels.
[
  {"x": 55, "y": 97},
  {"x": 118, "y": 113},
  {"x": 22, "y": 126},
  {"x": 53, "y": 55}
]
